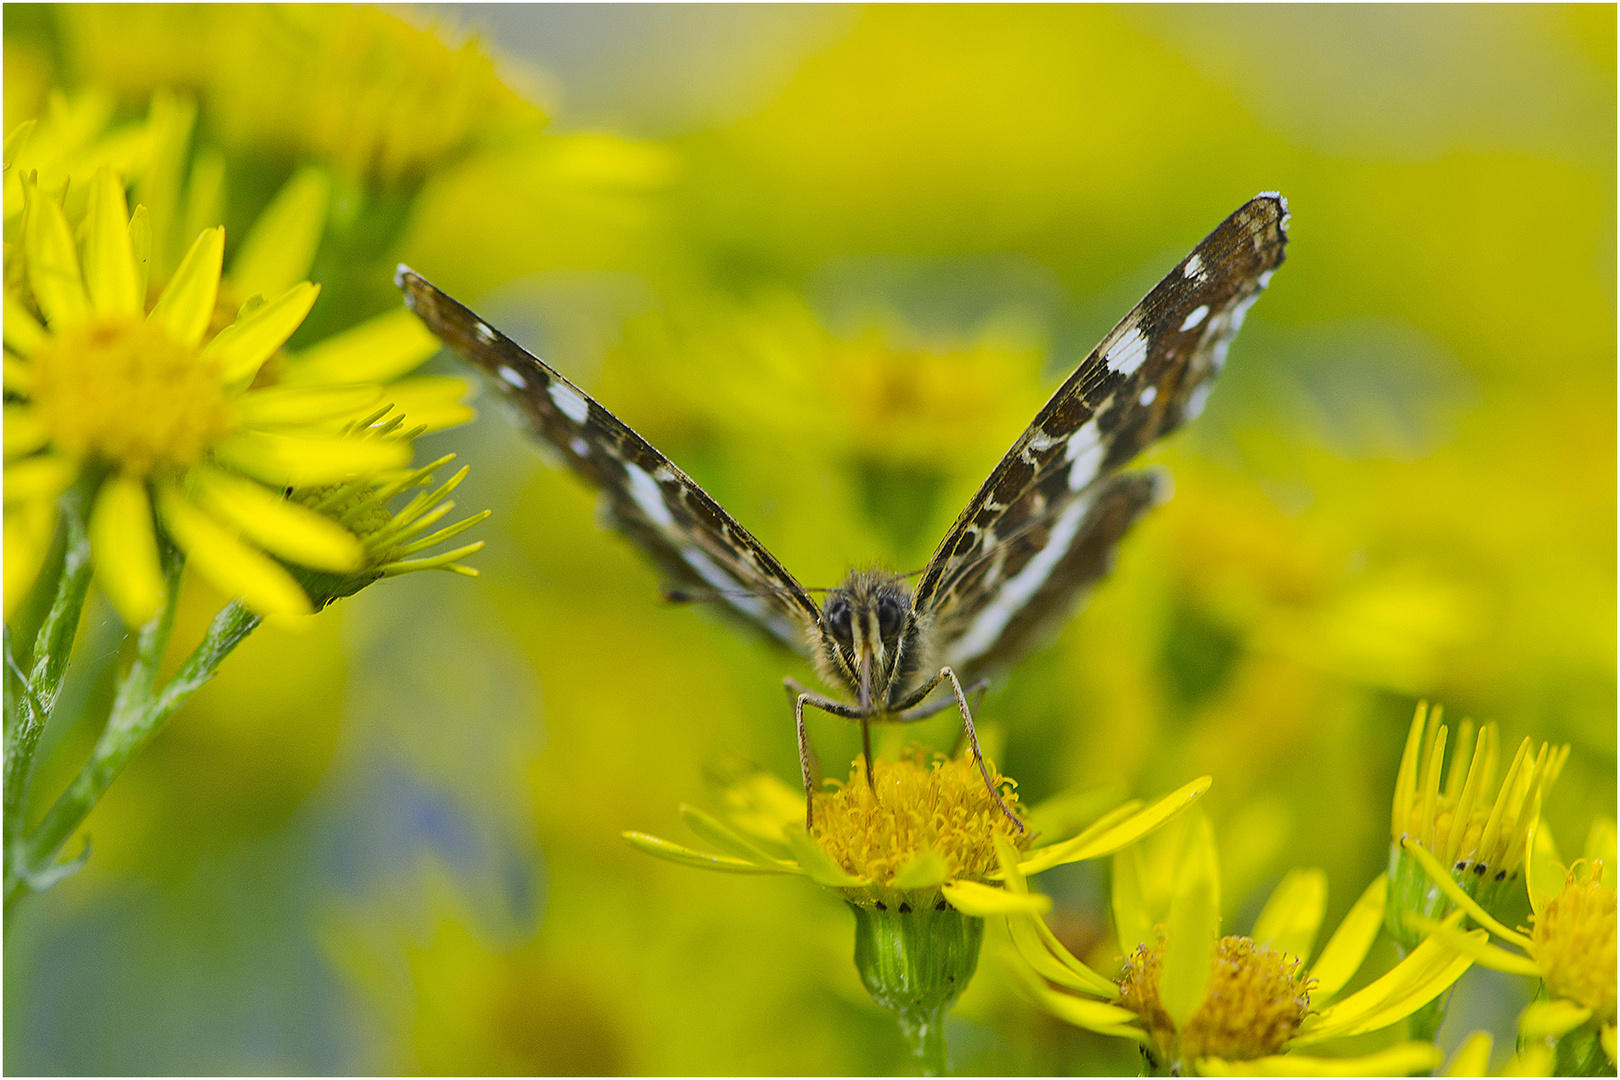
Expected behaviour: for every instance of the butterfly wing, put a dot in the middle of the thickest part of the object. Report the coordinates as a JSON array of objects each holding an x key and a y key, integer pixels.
[
  {"x": 661, "y": 509},
  {"x": 1043, "y": 526}
]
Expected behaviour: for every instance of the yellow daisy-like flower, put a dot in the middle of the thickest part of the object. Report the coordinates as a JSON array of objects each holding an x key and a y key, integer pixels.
[
  {"x": 1569, "y": 946},
  {"x": 1482, "y": 839},
  {"x": 145, "y": 411},
  {"x": 1200, "y": 1003},
  {"x": 919, "y": 854}
]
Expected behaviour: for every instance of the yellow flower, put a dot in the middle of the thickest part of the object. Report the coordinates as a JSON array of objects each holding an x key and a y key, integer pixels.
[
  {"x": 356, "y": 88},
  {"x": 1200, "y": 1003},
  {"x": 919, "y": 855},
  {"x": 927, "y": 835},
  {"x": 148, "y": 415},
  {"x": 1482, "y": 839},
  {"x": 1570, "y": 946}
]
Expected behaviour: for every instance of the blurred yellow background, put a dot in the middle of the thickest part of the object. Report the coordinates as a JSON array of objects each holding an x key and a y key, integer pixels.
[{"x": 831, "y": 260}]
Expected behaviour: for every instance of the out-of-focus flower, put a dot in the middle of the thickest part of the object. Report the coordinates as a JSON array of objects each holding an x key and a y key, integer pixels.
[
  {"x": 919, "y": 854},
  {"x": 1204, "y": 1004},
  {"x": 1570, "y": 947},
  {"x": 1474, "y": 1058},
  {"x": 1480, "y": 838},
  {"x": 356, "y": 88},
  {"x": 151, "y": 414}
]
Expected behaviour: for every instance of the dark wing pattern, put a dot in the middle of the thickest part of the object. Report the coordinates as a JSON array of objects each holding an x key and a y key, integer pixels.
[
  {"x": 657, "y": 505},
  {"x": 1042, "y": 527}
]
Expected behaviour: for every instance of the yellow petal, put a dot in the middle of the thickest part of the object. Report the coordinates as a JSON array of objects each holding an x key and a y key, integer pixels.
[
  {"x": 1543, "y": 870},
  {"x": 140, "y": 246},
  {"x": 1293, "y": 915},
  {"x": 1607, "y": 1036},
  {"x": 923, "y": 870},
  {"x": 110, "y": 273},
  {"x": 977, "y": 898},
  {"x": 1133, "y": 919},
  {"x": 1474, "y": 1058},
  {"x": 17, "y": 139},
  {"x": 24, "y": 431},
  {"x": 301, "y": 406},
  {"x": 231, "y": 566},
  {"x": 23, "y": 333},
  {"x": 291, "y": 531},
  {"x": 1551, "y": 1019},
  {"x": 1192, "y": 931},
  {"x": 709, "y": 828},
  {"x": 817, "y": 863},
  {"x": 1126, "y": 832},
  {"x": 431, "y": 401},
  {"x": 123, "y": 549},
  {"x": 187, "y": 305},
  {"x": 53, "y": 263},
  {"x": 242, "y": 347},
  {"x": 44, "y": 476},
  {"x": 1530, "y": 1061},
  {"x": 30, "y": 528},
  {"x": 1399, "y": 992},
  {"x": 280, "y": 247},
  {"x": 1404, "y": 1059},
  {"x": 1348, "y": 946},
  {"x": 284, "y": 459},
  {"x": 1081, "y": 1012},
  {"x": 675, "y": 853},
  {"x": 377, "y": 350}
]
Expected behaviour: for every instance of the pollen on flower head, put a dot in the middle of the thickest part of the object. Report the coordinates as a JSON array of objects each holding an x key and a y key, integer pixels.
[
  {"x": 1575, "y": 941},
  {"x": 120, "y": 390},
  {"x": 917, "y": 806},
  {"x": 1257, "y": 999}
]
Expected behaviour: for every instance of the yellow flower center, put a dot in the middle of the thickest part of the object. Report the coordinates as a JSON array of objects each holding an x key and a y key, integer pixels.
[
  {"x": 1574, "y": 942},
  {"x": 918, "y": 806},
  {"x": 123, "y": 391},
  {"x": 1257, "y": 999}
]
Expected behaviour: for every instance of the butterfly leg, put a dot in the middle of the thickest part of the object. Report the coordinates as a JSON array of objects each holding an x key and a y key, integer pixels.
[
  {"x": 967, "y": 725},
  {"x": 807, "y": 754},
  {"x": 923, "y": 712}
]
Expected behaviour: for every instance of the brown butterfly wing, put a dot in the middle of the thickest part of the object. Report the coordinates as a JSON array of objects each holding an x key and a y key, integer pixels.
[
  {"x": 1041, "y": 527},
  {"x": 661, "y": 509}
]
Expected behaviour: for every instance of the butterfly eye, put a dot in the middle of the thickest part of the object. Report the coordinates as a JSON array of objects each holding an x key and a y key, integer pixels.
[
  {"x": 889, "y": 614},
  {"x": 838, "y": 620}
]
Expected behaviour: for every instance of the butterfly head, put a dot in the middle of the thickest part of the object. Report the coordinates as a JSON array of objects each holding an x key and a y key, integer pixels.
[{"x": 868, "y": 636}]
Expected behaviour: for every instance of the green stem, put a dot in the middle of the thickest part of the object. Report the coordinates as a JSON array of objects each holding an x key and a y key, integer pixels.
[
  {"x": 30, "y": 700},
  {"x": 138, "y": 713},
  {"x": 924, "y": 1030},
  {"x": 1423, "y": 1024}
]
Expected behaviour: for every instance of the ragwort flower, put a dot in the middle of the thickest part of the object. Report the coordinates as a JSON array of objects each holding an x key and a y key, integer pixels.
[
  {"x": 1200, "y": 1003},
  {"x": 919, "y": 854},
  {"x": 1482, "y": 839},
  {"x": 151, "y": 416},
  {"x": 1569, "y": 947}
]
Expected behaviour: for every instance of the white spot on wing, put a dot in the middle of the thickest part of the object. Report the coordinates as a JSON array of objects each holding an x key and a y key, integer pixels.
[
  {"x": 484, "y": 333},
  {"x": 1086, "y": 452},
  {"x": 709, "y": 571},
  {"x": 990, "y": 622},
  {"x": 645, "y": 491},
  {"x": 572, "y": 405},
  {"x": 1195, "y": 316},
  {"x": 513, "y": 377},
  {"x": 1149, "y": 394},
  {"x": 1197, "y": 400},
  {"x": 579, "y": 446},
  {"x": 1194, "y": 266},
  {"x": 1128, "y": 353}
]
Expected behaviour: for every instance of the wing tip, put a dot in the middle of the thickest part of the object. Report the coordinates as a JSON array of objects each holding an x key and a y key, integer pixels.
[
  {"x": 1282, "y": 204},
  {"x": 403, "y": 275}
]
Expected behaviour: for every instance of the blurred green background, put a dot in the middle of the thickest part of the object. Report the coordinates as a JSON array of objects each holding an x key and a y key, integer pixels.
[{"x": 831, "y": 260}]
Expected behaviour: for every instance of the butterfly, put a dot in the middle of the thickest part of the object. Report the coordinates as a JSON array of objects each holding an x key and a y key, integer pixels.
[{"x": 1040, "y": 530}]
